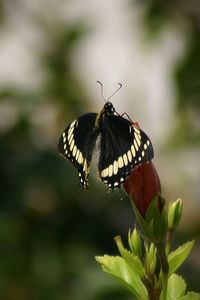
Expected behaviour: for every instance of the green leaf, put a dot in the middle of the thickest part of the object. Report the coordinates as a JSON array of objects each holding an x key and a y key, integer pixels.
[
  {"x": 118, "y": 268},
  {"x": 177, "y": 257},
  {"x": 132, "y": 260},
  {"x": 176, "y": 287},
  {"x": 191, "y": 296}
]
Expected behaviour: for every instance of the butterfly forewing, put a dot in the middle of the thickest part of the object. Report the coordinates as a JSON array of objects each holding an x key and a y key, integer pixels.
[
  {"x": 122, "y": 148},
  {"x": 77, "y": 144}
]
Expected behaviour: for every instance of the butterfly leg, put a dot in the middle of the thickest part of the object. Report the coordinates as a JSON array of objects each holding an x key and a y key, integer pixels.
[{"x": 134, "y": 123}]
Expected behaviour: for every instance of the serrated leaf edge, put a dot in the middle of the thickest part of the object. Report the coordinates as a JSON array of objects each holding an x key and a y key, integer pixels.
[
  {"x": 131, "y": 288},
  {"x": 177, "y": 252}
]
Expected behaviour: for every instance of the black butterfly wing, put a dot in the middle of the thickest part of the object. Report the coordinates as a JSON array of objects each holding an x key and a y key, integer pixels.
[
  {"x": 77, "y": 144},
  {"x": 122, "y": 147}
]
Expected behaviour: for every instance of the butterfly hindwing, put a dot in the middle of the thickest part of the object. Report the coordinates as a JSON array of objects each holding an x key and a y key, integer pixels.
[
  {"x": 77, "y": 144},
  {"x": 123, "y": 146}
]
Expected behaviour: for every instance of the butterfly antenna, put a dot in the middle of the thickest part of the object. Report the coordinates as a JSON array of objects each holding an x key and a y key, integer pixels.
[
  {"x": 120, "y": 86},
  {"x": 102, "y": 90}
]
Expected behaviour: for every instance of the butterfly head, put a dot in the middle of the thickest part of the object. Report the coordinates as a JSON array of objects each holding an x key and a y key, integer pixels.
[{"x": 109, "y": 108}]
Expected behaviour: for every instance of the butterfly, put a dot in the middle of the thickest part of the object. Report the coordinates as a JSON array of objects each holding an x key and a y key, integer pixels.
[{"x": 123, "y": 145}]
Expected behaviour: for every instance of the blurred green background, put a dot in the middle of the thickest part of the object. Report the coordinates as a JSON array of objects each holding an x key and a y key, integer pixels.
[{"x": 51, "y": 54}]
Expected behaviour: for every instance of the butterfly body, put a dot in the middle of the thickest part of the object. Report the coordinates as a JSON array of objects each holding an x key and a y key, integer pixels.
[{"x": 123, "y": 146}]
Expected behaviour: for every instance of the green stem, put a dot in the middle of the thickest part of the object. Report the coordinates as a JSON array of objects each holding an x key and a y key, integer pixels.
[
  {"x": 165, "y": 269},
  {"x": 153, "y": 291},
  {"x": 169, "y": 241},
  {"x": 165, "y": 282}
]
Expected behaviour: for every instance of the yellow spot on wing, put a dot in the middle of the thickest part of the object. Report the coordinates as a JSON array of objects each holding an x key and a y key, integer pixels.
[
  {"x": 72, "y": 124},
  {"x": 110, "y": 170},
  {"x": 115, "y": 167},
  {"x": 71, "y": 138},
  {"x": 136, "y": 145},
  {"x": 120, "y": 162},
  {"x": 70, "y": 132},
  {"x": 77, "y": 154},
  {"x": 85, "y": 166},
  {"x": 125, "y": 159},
  {"x": 72, "y": 145},
  {"x": 74, "y": 151},
  {"x": 137, "y": 139},
  {"x": 137, "y": 130},
  {"x": 133, "y": 150},
  {"x": 129, "y": 156},
  {"x": 80, "y": 159},
  {"x": 104, "y": 173}
]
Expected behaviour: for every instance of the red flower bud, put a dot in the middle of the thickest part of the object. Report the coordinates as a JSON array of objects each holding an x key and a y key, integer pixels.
[{"x": 142, "y": 186}]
